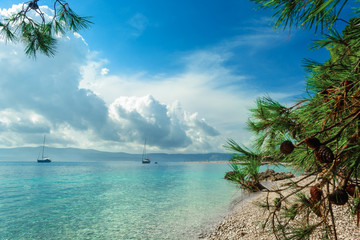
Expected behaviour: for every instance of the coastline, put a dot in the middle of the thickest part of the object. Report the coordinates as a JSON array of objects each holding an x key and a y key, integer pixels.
[
  {"x": 246, "y": 219},
  {"x": 207, "y": 161},
  {"x": 229, "y": 162},
  {"x": 244, "y": 199}
]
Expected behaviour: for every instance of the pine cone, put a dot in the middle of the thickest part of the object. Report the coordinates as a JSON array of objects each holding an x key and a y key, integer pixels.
[
  {"x": 338, "y": 197},
  {"x": 350, "y": 189},
  {"x": 315, "y": 193},
  {"x": 324, "y": 154},
  {"x": 287, "y": 147},
  {"x": 33, "y": 5},
  {"x": 312, "y": 142}
]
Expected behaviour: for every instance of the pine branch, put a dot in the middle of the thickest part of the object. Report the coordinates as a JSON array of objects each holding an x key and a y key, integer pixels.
[
  {"x": 304, "y": 14},
  {"x": 41, "y": 36}
]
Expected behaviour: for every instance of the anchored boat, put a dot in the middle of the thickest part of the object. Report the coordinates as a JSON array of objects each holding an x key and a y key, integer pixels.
[
  {"x": 145, "y": 159},
  {"x": 43, "y": 159}
]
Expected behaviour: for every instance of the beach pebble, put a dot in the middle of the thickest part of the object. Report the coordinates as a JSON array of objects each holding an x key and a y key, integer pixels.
[{"x": 245, "y": 222}]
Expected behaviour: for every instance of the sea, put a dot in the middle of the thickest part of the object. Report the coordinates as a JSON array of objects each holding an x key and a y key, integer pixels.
[{"x": 113, "y": 199}]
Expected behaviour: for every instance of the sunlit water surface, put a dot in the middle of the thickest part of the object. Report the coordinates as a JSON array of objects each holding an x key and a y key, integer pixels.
[{"x": 112, "y": 200}]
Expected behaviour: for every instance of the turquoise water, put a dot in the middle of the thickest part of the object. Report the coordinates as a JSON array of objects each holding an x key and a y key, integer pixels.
[{"x": 111, "y": 200}]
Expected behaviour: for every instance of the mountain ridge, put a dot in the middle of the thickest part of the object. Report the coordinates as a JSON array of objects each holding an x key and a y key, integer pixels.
[{"x": 77, "y": 154}]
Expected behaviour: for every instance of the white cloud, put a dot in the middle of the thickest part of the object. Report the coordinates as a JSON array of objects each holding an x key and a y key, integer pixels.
[
  {"x": 104, "y": 71},
  {"x": 145, "y": 117},
  {"x": 204, "y": 90},
  {"x": 23, "y": 122},
  {"x": 138, "y": 24},
  {"x": 166, "y": 127},
  {"x": 44, "y": 97},
  {"x": 207, "y": 88},
  {"x": 77, "y": 35},
  {"x": 76, "y": 101}
]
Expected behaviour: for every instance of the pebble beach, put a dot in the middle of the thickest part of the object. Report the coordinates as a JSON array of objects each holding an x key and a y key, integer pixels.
[{"x": 247, "y": 218}]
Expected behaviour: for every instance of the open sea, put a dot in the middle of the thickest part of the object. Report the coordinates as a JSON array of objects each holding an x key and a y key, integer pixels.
[{"x": 112, "y": 199}]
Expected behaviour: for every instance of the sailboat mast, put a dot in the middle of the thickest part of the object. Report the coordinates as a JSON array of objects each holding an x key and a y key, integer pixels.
[
  {"x": 43, "y": 148},
  {"x": 145, "y": 158},
  {"x": 144, "y": 151}
]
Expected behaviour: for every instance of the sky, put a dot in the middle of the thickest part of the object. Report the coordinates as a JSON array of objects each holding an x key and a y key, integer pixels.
[{"x": 181, "y": 74}]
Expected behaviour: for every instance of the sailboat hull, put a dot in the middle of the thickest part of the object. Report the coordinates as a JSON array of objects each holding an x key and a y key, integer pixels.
[
  {"x": 43, "y": 160},
  {"x": 146, "y": 160}
]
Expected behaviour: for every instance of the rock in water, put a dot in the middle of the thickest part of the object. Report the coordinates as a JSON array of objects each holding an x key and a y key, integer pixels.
[{"x": 271, "y": 175}]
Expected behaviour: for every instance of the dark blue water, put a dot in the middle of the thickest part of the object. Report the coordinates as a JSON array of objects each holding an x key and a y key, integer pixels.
[{"x": 111, "y": 200}]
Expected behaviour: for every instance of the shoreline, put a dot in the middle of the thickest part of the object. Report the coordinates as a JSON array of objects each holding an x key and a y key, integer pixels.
[
  {"x": 207, "y": 161},
  {"x": 240, "y": 210},
  {"x": 229, "y": 162},
  {"x": 244, "y": 198},
  {"x": 245, "y": 220}
]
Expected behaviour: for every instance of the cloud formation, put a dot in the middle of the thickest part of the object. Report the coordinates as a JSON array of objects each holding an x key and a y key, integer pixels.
[
  {"x": 43, "y": 97},
  {"x": 145, "y": 117},
  {"x": 75, "y": 99},
  {"x": 138, "y": 23},
  {"x": 207, "y": 87}
]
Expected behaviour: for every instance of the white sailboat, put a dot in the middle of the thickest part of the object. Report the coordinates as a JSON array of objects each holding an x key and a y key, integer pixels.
[
  {"x": 145, "y": 159},
  {"x": 43, "y": 159}
]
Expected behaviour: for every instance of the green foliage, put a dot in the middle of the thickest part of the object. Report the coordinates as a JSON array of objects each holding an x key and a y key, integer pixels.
[
  {"x": 236, "y": 175},
  {"x": 245, "y": 165},
  {"x": 303, "y": 232},
  {"x": 70, "y": 19},
  {"x": 330, "y": 114},
  {"x": 41, "y": 36},
  {"x": 291, "y": 212},
  {"x": 305, "y": 14},
  {"x": 244, "y": 157},
  {"x": 272, "y": 123}
]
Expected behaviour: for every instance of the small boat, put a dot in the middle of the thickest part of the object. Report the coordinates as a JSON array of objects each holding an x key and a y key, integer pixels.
[
  {"x": 43, "y": 159},
  {"x": 145, "y": 159}
]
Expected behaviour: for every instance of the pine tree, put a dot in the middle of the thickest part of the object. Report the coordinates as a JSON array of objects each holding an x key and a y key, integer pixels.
[
  {"x": 40, "y": 35},
  {"x": 318, "y": 135}
]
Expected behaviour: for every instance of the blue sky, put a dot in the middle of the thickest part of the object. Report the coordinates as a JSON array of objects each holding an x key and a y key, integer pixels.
[
  {"x": 153, "y": 36},
  {"x": 180, "y": 73}
]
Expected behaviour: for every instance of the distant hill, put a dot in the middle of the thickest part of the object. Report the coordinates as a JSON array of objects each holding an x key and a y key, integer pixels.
[{"x": 75, "y": 154}]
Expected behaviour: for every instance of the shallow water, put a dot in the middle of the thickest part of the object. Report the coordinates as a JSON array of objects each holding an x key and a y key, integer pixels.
[{"x": 111, "y": 200}]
